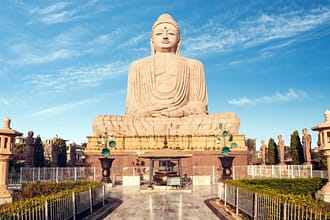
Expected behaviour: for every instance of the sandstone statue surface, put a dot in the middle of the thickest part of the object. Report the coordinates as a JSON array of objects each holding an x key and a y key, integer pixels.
[
  {"x": 307, "y": 141},
  {"x": 166, "y": 93}
]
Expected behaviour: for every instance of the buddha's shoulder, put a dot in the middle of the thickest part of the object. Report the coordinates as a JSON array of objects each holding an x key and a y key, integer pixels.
[
  {"x": 141, "y": 61},
  {"x": 181, "y": 59},
  {"x": 192, "y": 61}
]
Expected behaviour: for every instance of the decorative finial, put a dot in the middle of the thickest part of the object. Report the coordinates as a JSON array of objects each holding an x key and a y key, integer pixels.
[
  {"x": 327, "y": 116},
  {"x": 6, "y": 123},
  {"x": 165, "y": 18}
]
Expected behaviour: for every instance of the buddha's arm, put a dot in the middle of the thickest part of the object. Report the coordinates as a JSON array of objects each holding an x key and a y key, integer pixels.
[
  {"x": 132, "y": 91},
  {"x": 197, "y": 93}
]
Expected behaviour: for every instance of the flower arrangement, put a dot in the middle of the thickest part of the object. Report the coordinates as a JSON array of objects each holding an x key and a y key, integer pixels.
[
  {"x": 225, "y": 150},
  {"x": 107, "y": 142}
]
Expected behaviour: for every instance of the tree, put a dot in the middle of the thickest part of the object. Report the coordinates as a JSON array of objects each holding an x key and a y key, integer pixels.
[
  {"x": 39, "y": 157},
  {"x": 62, "y": 155},
  {"x": 272, "y": 152},
  {"x": 320, "y": 157},
  {"x": 296, "y": 149}
]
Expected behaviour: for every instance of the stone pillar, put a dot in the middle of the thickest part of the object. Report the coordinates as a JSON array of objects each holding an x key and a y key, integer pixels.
[
  {"x": 29, "y": 150},
  {"x": 263, "y": 152},
  {"x": 307, "y": 141},
  {"x": 324, "y": 131},
  {"x": 7, "y": 141},
  {"x": 281, "y": 150}
]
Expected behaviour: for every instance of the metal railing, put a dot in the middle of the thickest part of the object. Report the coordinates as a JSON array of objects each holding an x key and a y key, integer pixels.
[
  {"x": 265, "y": 207},
  {"x": 277, "y": 171},
  {"x": 63, "y": 174},
  {"x": 67, "y": 206}
]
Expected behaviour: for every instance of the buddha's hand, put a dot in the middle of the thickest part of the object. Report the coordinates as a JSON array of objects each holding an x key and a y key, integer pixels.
[
  {"x": 169, "y": 113},
  {"x": 194, "y": 109}
]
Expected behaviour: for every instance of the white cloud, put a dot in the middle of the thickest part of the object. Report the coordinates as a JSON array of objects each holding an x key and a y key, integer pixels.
[
  {"x": 46, "y": 58},
  {"x": 255, "y": 31},
  {"x": 50, "y": 9},
  {"x": 55, "y": 13},
  {"x": 63, "y": 108},
  {"x": 4, "y": 101},
  {"x": 291, "y": 95},
  {"x": 77, "y": 77},
  {"x": 135, "y": 40}
]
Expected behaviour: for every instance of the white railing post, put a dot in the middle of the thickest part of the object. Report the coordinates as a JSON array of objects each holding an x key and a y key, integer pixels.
[
  {"x": 237, "y": 203},
  {"x": 46, "y": 210},
  {"x": 103, "y": 194},
  {"x": 75, "y": 174},
  {"x": 255, "y": 206},
  {"x": 234, "y": 173},
  {"x": 90, "y": 200},
  {"x": 284, "y": 210},
  {"x": 225, "y": 194},
  {"x": 56, "y": 175},
  {"x": 74, "y": 205},
  {"x": 21, "y": 175}
]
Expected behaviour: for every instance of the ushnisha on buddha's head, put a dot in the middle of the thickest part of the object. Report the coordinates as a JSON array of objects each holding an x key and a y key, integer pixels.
[{"x": 165, "y": 35}]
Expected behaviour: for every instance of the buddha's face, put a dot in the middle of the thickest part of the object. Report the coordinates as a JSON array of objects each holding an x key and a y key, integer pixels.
[{"x": 165, "y": 38}]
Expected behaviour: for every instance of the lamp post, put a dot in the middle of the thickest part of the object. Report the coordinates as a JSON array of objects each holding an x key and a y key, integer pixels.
[
  {"x": 226, "y": 160},
  {"x": 324, "y": 132},
  {"x": 106, "y": 142},
  {"x": 7, "y": 141}
]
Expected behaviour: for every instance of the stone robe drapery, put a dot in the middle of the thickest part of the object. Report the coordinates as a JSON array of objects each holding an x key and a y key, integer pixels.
[{"x": 162, "y": 84}]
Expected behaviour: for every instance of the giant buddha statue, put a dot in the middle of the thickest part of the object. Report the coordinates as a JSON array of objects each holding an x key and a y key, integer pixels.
[{"x": 166, "y": 93}]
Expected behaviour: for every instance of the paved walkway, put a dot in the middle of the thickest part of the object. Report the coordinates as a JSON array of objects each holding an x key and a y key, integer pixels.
[{"x": 158, "y": 205}]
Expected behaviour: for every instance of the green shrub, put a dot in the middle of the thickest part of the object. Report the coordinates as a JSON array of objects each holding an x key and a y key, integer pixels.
[
  {"x": 301, "y": 190},
  {"x": 35, "y": 194}
]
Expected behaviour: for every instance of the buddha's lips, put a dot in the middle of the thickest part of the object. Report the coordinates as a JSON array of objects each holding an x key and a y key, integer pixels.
[{"x": 165, "y": 41}]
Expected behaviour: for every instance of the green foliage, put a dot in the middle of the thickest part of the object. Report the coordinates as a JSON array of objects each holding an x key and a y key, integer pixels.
[
  {"x": 301, "y": 191},
  {"x": 296, "y": 149},
  {"x": 39, "y": 158},
  {"x": 62, "y": 155},
  {"x": 37, "y": 189},
  {"x": 272, "y": 152},
  {"x": 35, "y": 195}
]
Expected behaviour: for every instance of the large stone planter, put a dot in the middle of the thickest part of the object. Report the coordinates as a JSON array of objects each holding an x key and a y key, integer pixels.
[
  {"x": 226, "y": 163},
  {"x": 106, "y": 164}
]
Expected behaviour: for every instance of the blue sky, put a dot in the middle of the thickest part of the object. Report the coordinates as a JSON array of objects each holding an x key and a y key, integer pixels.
[{"x": 64, "y": 63}]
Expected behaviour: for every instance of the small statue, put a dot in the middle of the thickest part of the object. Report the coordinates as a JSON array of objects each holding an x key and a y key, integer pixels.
[
  {"x": 307, "y": 140},
  {"x": 263, "y": 152},
  {"x": 29, "y": 150},
  {"x": 281, "y": 149}
]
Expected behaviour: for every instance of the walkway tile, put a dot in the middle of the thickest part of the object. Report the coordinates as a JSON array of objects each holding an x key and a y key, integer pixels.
[{"x": 167, "y": 205}]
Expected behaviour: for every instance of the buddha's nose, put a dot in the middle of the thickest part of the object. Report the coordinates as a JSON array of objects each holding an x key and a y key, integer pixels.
[{"x": 165, "y": 35}]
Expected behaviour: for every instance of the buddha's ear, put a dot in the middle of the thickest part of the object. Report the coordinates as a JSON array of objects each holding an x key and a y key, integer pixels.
[
  {"x": 152, "y": 46},
  {"x": 177, "y": 52}
]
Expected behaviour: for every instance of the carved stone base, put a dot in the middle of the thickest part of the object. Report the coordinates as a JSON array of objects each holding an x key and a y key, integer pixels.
[
  {"x": 5, "y": 195},
  {"x": 324, "y": 193}
]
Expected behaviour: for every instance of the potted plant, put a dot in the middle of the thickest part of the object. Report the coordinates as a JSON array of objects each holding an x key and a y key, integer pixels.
[
  {"x": 226, "y": 159},
  {"x": 107, "y": 143}
]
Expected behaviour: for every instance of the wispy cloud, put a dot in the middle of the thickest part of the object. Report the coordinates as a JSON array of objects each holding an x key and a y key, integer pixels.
[
  {"x": 291, "y": 95},
  {"x": 4, "y": 101},
  {"x": 46, "y": 58},
  {"x": 255, "y": 31},
  {"x": 77, "y": 77},
  {"x": 135, "y": 40},
  {"x": 63, "y": 108},
  {"x": 53, "y": 14}
]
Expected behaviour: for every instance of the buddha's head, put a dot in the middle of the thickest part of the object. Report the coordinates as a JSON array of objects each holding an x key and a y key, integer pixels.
[{"x": 165, "y": 35}]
